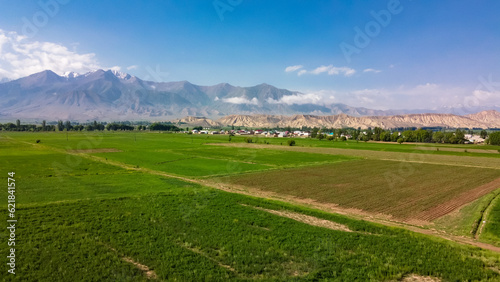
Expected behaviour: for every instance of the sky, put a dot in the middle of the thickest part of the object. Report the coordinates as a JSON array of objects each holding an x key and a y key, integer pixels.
[{"x": 386, "y": 54}]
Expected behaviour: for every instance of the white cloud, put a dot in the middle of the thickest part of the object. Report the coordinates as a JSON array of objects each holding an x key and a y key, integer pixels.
[
  {"x": 293, "y": 68},
  {"x": 318, "y": 98},
  {"x": 371, "y": 70},
  {"x": 342, "y": 70},
  {"x": 321, "y": 69},
  {"x": 20, "y": 57},
  {"x": 133, "y": 67},
  {"x": 241, "y": 100},
  {"x": 330, "y": 70},
  {"x": 115, "y": 68}
]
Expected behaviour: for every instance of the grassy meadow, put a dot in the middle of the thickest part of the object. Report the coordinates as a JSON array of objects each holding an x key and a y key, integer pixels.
[{"x": 130, "y": 207}]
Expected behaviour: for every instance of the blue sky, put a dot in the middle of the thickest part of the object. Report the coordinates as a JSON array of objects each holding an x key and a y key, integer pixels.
[{"x": 428, "y": 54}]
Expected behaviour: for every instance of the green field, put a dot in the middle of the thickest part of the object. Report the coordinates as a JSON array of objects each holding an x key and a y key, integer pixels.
[{"x": 118, "y": 216}]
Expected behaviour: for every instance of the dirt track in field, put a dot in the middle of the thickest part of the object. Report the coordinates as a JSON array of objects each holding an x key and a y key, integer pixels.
[
  {"x": 459, "y": 201},
  {"x": 307, "y": 219},
  {"x": 149, "y": 273}
]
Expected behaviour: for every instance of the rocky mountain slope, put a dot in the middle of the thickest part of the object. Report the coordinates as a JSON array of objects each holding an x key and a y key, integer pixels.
[{"x": 485, "y": 119}]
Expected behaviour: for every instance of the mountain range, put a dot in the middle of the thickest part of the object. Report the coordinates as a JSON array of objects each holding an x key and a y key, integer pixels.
[
  {"x": 485, "y": 120},
  {"x": 114, "y": 96},
  {"x": 111, "y": 95}
]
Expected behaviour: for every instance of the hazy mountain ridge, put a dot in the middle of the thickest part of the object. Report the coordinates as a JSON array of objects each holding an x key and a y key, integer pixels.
[
  {"x": 485, "y": 119},
  {"x": 111, "y": 95}
]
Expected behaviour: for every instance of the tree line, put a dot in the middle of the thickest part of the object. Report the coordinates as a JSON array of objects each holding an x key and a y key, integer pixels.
[
  {"x": 93, "y": 126},
  {"x": 408, "y": 135}
]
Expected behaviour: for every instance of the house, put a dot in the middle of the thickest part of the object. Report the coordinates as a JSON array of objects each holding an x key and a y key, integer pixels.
[{"x": 476, "y": 139}]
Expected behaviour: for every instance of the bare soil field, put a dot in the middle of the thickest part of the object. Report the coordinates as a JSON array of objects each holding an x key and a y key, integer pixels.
[
  {"x": 415, "y": 191},
  {"x": 457, "y": 202}
]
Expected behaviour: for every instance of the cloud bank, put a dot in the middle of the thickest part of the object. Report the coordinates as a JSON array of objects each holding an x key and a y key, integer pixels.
[{"x": 21, "y": 57}]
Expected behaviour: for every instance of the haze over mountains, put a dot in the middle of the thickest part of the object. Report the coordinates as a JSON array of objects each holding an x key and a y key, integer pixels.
[
  {"x": 109, "y": 95},
  {"x": 114, "y": 96}
]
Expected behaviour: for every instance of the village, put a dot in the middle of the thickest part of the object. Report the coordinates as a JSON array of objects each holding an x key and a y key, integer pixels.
[{"x": 316, "y": 133}]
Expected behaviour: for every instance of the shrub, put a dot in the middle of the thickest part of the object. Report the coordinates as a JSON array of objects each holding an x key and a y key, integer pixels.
[
  {"x": 248, "y": 140},
  {"x": 291, "y": 142},
  {"x": 400, "y": 140}
]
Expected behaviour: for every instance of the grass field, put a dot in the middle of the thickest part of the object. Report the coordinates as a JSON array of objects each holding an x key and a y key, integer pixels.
[
  {"x": 491, "y": 230},
  {"x": 82, "y": 218}
]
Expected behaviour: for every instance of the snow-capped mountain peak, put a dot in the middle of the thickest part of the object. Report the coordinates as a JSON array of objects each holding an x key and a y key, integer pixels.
[
  {"x": 70, "y": 74},
  {"x": 121, "y": 75}
]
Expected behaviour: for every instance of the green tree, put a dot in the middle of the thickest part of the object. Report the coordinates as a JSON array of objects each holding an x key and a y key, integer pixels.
[
  {"x": 459, "y": 137},
  {"x": 438, "y": 137},
  {"x": 494, "y": 138},
  {"x": 377, "y": 132},
  {"x": 483, "y": 134},
  {"x": 68, "y": 125},
  {"x": 18, "y": 125},
  {"x": 314, "y": 132},
  {"x": 60, "y": 125}
]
